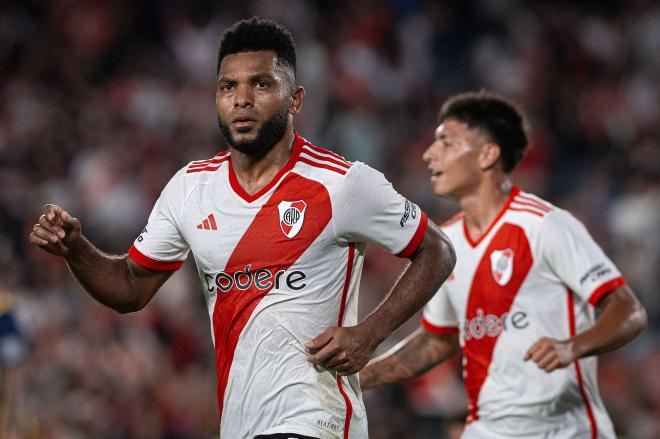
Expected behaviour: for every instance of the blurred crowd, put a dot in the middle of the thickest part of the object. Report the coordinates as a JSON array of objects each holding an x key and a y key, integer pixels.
[{"x": 102, "y": 101}]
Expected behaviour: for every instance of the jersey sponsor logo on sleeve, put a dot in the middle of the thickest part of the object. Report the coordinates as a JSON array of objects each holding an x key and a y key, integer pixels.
[
  {"x": 292, "y": 215},
  {"x": 501, "y": 265},
  {"x": 595, "y": 273},
  {"x": 409, "y": 211}
]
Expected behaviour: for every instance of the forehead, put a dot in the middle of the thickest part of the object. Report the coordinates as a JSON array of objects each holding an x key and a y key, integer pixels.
[
  {"x": 452, "y": 128},
  {"x": 249, "y": 64}
]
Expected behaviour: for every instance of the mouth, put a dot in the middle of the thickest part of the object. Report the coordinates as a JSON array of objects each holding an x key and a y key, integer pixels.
[{"x": 243, "y": 123}]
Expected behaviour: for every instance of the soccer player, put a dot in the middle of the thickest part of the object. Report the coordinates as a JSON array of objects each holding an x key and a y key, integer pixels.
[
  {"x": 278, "y": 229},
  {"x": 521, "y": 300}
]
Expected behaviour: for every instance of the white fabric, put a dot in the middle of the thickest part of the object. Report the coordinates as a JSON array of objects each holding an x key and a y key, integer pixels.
[
  {"x": 271, "y": 388},
  {"x": 563, "y": 257}
]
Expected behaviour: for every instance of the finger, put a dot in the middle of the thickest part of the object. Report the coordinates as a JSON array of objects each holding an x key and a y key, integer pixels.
[
  {"x": 34, "y": 239},
  {"x": 52, "y": 212},
  {"x": 554, "y": 364},
  {"x": 45, "y": 234},
  {"x": 69, "y": 220},
  {"x": 323, "y": 356},
  {"x": 337, "y": 361},
  {"x": 532, "y": 349},
  {"x": 51, "y": 227},
  {"x": 547, "y": 359},
  {"x": 321, "y": 340},
  {"x": 541, "y": 352}
]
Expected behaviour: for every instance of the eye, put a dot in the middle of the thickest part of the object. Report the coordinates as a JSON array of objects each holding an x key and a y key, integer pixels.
[
  {"x": 261, "y": 84},
  {"x": 227, "y": 86}
]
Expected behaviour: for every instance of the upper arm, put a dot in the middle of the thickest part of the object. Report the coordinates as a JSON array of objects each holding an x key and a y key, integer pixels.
[
  {"x": 366, "y": 208},
  {"x": 161, "y": 248}
]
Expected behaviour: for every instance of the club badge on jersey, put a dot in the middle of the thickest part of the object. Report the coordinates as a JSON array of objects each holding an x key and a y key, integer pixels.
[
  {"x": 292, "y": 215},
  {"x": 501, "y": 265}
]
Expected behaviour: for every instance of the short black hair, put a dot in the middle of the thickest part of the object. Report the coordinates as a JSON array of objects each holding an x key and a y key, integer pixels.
[
  {"x": 256, "y": 34},
  {"x": 499, "y": 118}
]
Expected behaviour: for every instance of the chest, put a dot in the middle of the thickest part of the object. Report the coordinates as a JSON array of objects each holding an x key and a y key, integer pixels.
[
  {"x": 225, "y": 231},
  {"x": 491, "y": 274}
]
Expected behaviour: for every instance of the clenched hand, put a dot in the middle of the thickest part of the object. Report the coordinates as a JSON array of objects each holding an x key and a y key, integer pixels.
[
  {"x": 345, "y": 350},
  {"x": 550, "y": 354},
  {"x": 57, "y": 231}
]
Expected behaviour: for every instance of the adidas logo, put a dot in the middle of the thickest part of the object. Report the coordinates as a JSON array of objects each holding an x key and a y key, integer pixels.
[{"x": 208, "y": 223}]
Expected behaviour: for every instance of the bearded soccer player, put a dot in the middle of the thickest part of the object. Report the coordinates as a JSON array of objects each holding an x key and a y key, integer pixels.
[
  {"x": 521, "y": 301},
  {"x": 278, "y": 229}
]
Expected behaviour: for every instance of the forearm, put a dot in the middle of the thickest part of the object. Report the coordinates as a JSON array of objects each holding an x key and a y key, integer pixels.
[
  {"x": 421, "y": 279},
  {"x": 107, "y": 278},
  {"x": 417, "y": 354},
  {"x": 622, "y": 319}
]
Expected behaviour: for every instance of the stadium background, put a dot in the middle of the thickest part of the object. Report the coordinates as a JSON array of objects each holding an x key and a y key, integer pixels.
[{"x": 101, "y": 102}]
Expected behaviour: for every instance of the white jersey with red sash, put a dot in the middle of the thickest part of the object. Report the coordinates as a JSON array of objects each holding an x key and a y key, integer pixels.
[
  {"x": 277, "y": 269},
  {"x": 535, "y": 272}
]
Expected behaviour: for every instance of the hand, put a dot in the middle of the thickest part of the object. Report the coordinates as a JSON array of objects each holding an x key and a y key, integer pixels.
[
  {"x": 344, "y": 350},
  {"x": 550, "y": 354},
  {"x": 57, "y": 231}
]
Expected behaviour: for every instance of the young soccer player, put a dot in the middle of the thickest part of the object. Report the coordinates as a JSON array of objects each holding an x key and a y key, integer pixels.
[{"x": 521, "y": 301}]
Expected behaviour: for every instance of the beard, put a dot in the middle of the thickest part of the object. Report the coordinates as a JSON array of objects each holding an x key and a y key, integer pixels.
[{"x": 271, "y": 132}]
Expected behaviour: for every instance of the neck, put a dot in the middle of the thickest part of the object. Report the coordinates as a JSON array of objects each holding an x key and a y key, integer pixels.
[
  {"x": 482, "y": 205},
  {"x": 253, "y": 173}
]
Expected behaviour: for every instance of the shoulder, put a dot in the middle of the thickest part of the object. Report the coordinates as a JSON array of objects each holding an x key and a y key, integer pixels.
[
  {"x": 545, "y": 222},
  {"x": 194, "y": 173},
  {"x": 321, "y": 163},
  {"x": 205, "y": 166}
]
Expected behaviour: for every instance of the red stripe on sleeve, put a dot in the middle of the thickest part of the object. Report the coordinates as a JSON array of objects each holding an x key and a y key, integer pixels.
[
  {"x": 438, "y": 329},
  {"x": 417, "y": 238},
  {"x": 153, "y": 264},
  {"x": 605, "y": 288}
]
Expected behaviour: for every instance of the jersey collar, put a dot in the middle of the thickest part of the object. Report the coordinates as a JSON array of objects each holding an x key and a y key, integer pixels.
[
  {"x": 515, "y": 190},
  {"x": 298, "y": 142}
]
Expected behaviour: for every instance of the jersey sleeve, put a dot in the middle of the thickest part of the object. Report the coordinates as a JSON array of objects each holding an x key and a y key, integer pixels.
[
  {"x": 439, "y": 316},
  {"x": 367, "y": 208},
  {"x": 576, "y": 259},
  {"x": 160, "y": 245}
]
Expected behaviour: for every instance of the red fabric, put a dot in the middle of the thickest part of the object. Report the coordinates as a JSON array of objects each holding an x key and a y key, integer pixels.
[
  {"x": 604, "y": 289},
  {"x": 238, "y": 189},
  {"x": 153, "y": 264},
  {"x": 417, "y": 238},
  {"x": 487, "y": 295},
  {"x": 264, "y": 245},
  {"x": 578, "y": 371},
  {"x": 323, "y": 165},
  {"x": 514, "y": 191},
  {"x": 340, "y": 321},
  {"x": 438, "y": 329}
]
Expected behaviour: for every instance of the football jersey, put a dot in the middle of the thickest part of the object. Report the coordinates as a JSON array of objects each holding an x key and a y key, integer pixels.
[
  {"x": 277, "y": 268},
  {"x": 535, "y": 272}
]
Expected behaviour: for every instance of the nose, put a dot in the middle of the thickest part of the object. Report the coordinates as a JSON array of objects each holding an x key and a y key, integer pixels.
[
  {"x": 243, "y": 97},
  {"x": 428, "y": 154}
]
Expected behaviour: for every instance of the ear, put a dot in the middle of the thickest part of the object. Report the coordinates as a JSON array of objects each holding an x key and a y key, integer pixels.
[
  {"x": 489, "y": 156},
  {"x": 297, "y": 97}
]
